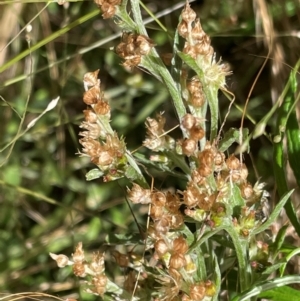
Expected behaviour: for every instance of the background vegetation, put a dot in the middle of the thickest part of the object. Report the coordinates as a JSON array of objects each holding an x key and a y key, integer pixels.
[{"x": 46, "y": 204}]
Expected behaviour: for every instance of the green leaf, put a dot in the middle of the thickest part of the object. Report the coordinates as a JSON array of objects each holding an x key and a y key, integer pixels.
[
  {"x": 273, "y": 216},
  {"x": 292, "y": 126},
  {"x": 230, "y": 137},
  {"x": 288, "y": 257},
  {"x": 236, "y": 200},
  {"x": 280, "y": 238},
  {"x": 124, "y": 239},
  {"x": 279, "y": 160},
  {"x": 284, "y": 293},
  {"x": 267, "y": 286},
  {"x": 93, "y": 174}
]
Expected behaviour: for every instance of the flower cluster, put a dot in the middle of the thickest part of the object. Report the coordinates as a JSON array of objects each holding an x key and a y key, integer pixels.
[
  {"x": 133, "y": 47},
  {"x": 99, "y": 141},
  {"x": 156, "y": 139},
  {"x": 216, "y": 192},
  {"x": 181, "y": 268},
  {"x": 197, "y": 41},
  {"x": 81, "y": 268},
  {"x": 194, "y": 132},
  {"x": 198, "y": 46},
  {"x": 108, "y": 7}
]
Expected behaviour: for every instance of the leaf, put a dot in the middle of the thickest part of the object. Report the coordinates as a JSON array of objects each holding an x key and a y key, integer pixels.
[
  {"x": 280, "y": 238},
  {"x": 288, "y": 257},
  {"x": 52, "y": 104},
  {"x": 93, "y": 174},
  {"x": 230, "y": 137},
  {"x": 267, "y": 286},
  {"x": 292, "y": 126},
  {"x": 236, "y": 200},
  {"x": 273, "y": 216},
  {"x": 124, "y": 239},
  {"x": 284, "y": 293}
]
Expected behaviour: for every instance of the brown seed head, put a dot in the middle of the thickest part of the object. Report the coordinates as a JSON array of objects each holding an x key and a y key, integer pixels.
[
  {"x": 94, "y": 130},
  {"x": 158, "y": 199},
  {"x": 207, "y": 202},
  {"x": 79, "y": 269},
  {"x": 91, "y": 147},
  {"x": 189, "y": 147},
  {"x": 187, "y": 14},
  {"x": 101, "y": 108},
  {"x": 173, "y": 202},
  {"x": 161, "y": 248},
  {"x": 180, "y": 245},
  {"x": 190, "y": 50},
  {"x": 177, "y": 261},
  {"x": 108, "y": 10},
  {"x": 104, "y": 157},
  {"x": 188, "y": 121},
  {"x": 197, "y": 100},
  {"x": 156, "y": 212},
  {"x": 99, "y": 284},
  {"x": 78, "y": 255},
  {"x": 197, "y": 291},
  {"x": 246, "y": 190},
  {"x": 162, "y": 226},
  {"x": 183, "y": 29},
  {"x": 90, "y": 116},
  {"x": 192, "y": 195},
  {"x": 197, "y": 132},
  {"x": 137, "y": 194},
  {"x": 197, "y": 32},
  {"x": 233, "y": 162},
  {"x": 177, "y": 220},
  {"x": 219, "y": 158},
  {"x": 92, "y": 95},
  {"x": 97, "y": 264},
  {"x": 144, "y": 45},
  {"x": 90, "y": 79}
]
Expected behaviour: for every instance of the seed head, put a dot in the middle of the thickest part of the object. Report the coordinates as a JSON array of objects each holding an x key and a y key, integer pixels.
[
  {"x": 139, "y": 195},
  {"x": 180, "y": 245},
  {"x": 177, "y": 261}
]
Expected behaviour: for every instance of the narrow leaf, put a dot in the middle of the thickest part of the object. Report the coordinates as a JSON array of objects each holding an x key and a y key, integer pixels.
[{"x": 273, "y": 215}]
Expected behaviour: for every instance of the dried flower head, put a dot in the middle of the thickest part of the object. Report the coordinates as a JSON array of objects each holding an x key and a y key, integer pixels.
[
  {"x": 92, "y": 96},
  {"x": 90, "y": 79},
  {"x": 108, "y": 7},
  {"x": 98, "y": 285},
  {"x": 78, "y": 255},
  {"x": 161, "y": 247},
  {"x": 189, "y": 146},
  {"x": 177, "y": 261},
  {"x": 139, "y": 195},
  {"x": 61, "y": 260},
  {"x": 97, "y": 265},
  {"x": 197, "y": 291},
  {"x": 188, "y": 121},
  {"x": 133, "y": 47},
  {"x": 180, "y": 245}
]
